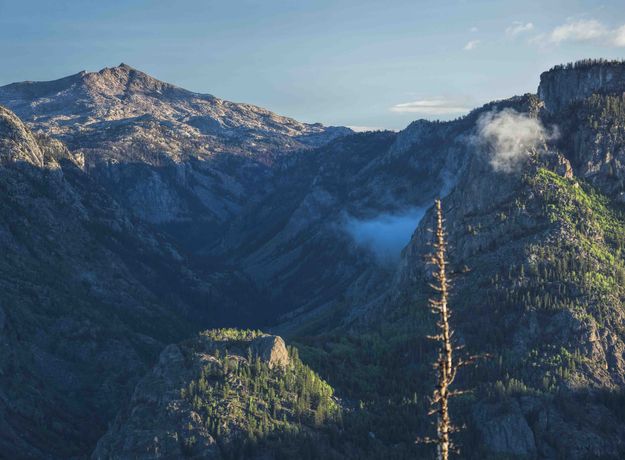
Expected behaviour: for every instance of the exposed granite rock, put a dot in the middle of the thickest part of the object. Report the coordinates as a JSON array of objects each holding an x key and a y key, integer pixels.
[
  {"x": 504, "y": 429},
  {"x": 272, "y": 350},
  {"x": 565, "y": 84},
  {"x": 17, "y": 143},
  {"x": 593, "y": 136}
]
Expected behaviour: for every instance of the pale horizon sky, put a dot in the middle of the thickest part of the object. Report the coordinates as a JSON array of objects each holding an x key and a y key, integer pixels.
[{"x": 357, "y": 63}]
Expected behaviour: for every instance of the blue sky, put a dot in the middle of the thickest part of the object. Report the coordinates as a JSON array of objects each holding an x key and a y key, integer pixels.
[{"x": 352, "y": 62}]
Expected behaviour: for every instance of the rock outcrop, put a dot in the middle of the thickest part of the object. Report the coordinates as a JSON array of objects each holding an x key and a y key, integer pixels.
[
  {"x": 272, "y": 350},
  {"x": 566, "y": 84},
  {"x": 17, "y": 143},
  {"x": 205, "y": 396},
  {"x": 505, "y": 430}
]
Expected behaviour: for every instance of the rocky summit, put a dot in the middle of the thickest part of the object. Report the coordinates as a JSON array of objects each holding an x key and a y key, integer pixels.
[
  {"x": 175, "y": 157},
  {"x": 144, "y": 228}
]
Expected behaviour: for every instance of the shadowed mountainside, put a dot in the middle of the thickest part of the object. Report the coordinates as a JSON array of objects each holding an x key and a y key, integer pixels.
[
  {"x": 173, "y": 157},
  {"x": 532, "y": 190}
]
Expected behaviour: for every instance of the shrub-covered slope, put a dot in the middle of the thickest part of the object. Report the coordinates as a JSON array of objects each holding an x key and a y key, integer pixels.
[{"x": 227, "y": 393}]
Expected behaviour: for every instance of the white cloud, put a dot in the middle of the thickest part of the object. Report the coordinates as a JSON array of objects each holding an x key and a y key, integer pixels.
[
  {"x": 364, "y": 129},
  {"x": 518, "y": 28},
  {"x": 471, "y": 45},
  {"x": 509, "y": 136},
  {"x": 473, "y": 29},
  {"x": 585, "y": 30},
  {"x": 430, "y": 107},
  {"x": 579, "y": 31},
  {"x": 619, "y": 36}
]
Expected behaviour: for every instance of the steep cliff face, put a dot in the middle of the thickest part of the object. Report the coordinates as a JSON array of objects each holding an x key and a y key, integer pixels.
[
  {"x": 170, "y": 155},
  {"x": 587, "y": 102},
  {"x": 566, "y": 84},
  {"x": 17, "y": 143}
]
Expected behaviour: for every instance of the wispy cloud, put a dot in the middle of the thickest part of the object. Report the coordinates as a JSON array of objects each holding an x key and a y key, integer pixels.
[
  {"x": 430, "y": 107},
  {"x": 619, "y": 36},
  {"x": 471, "y": 45},
  {"x": 364, "y": 129},
  {"x": 518, "y": 27},
  {"x": 583, "y": 31},
  {"x": 579, "y": 31},
  {"x": 473, "y": 29},
  {"x": 509, "y": 137},
  {"x": 386, "y": 234}
]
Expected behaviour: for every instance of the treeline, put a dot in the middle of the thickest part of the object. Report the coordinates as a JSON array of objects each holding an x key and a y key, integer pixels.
[{"x": 587, "y": 63}]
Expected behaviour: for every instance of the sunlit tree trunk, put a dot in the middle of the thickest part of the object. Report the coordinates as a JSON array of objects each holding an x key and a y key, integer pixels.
[{"x": 444, "y": 363}]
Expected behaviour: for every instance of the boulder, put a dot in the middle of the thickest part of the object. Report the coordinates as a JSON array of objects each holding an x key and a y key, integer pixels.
[
  {"x": 504, "y": 429},
  {"x": 272, "y": 350}
]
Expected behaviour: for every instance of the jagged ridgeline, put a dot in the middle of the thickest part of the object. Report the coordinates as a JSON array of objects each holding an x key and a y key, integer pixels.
[
  {"x": 165, "y": 212},
  {"x": 227, "y": 393}
]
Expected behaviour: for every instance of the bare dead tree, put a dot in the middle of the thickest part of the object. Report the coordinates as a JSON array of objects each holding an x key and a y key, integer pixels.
[{"x": 446, "y": 365}]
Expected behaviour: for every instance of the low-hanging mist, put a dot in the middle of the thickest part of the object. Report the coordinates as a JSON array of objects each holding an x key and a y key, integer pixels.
[{"x": 386, "y": 234}]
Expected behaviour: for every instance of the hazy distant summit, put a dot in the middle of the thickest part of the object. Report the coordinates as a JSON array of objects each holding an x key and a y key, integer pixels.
[
  {"x": 169, "y": 154},
  {"x": 123, "y": 92}
]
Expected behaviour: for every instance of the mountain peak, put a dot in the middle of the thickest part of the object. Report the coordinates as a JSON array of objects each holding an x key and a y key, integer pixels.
[
  {"x": 121, "y": 97},
  {"x": 107, "y": 81},
  {"x": 125, "y": 79},
  {"x": 124, "y": 69}
]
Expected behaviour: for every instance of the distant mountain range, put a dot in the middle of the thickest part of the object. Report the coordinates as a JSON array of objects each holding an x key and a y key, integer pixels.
[
  {"x": 172, "y": 156},
  {"x": 136, "y": 213}
]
